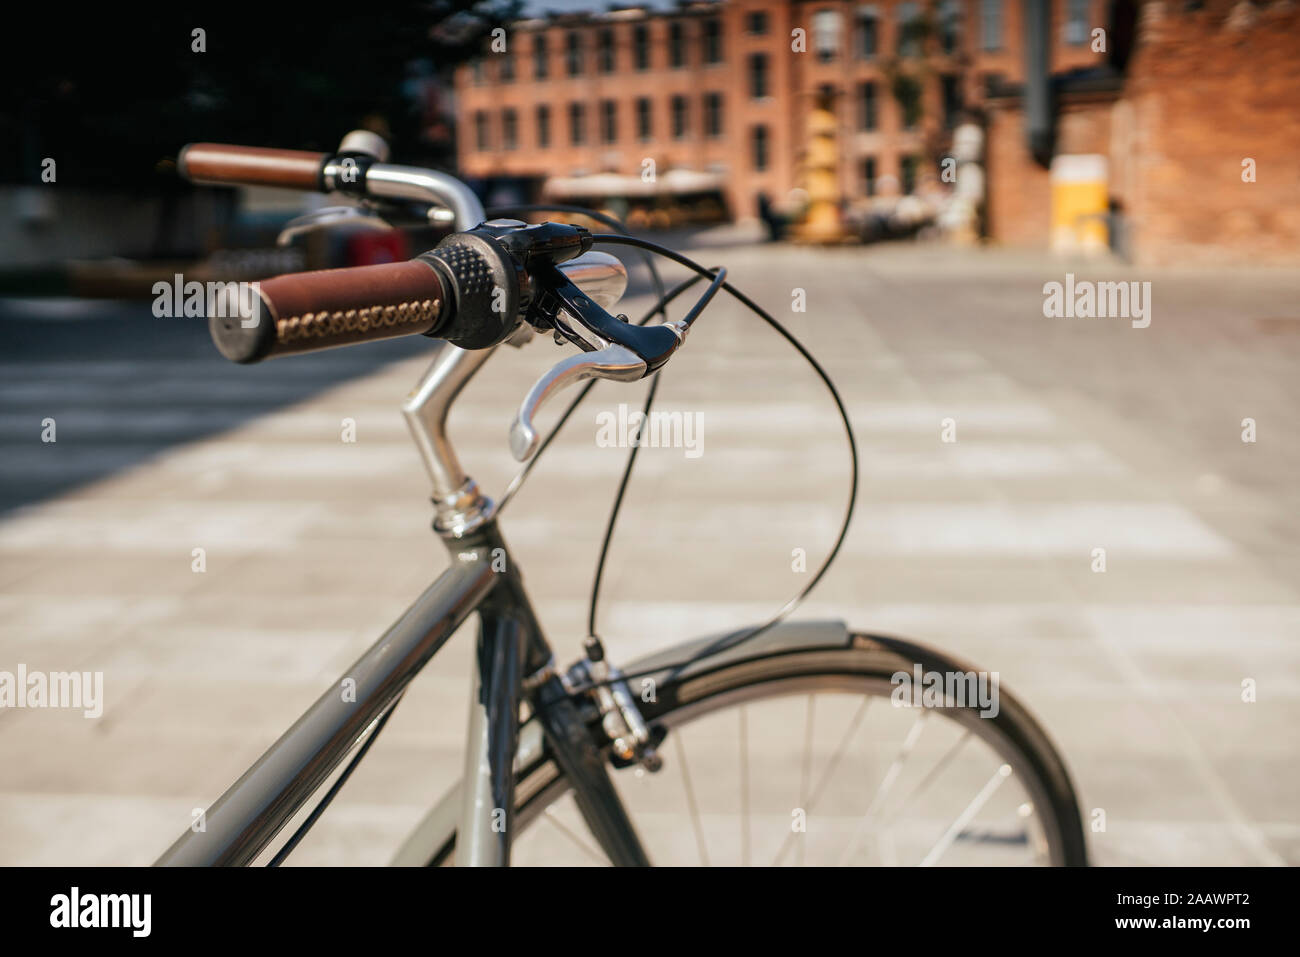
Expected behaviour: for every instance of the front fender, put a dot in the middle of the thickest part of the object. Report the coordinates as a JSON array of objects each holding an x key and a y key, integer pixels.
[{"x": 438, "y": 826}]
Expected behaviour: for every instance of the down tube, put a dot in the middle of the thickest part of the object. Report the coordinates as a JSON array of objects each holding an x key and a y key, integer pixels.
[
  {"x": 245, "y": 819},
  {"x": 488, "y": 803},
  {"x": 511, "y": 629}
]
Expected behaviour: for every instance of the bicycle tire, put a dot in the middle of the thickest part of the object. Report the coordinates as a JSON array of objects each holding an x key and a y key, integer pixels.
[{"x": 867, "y": 663}]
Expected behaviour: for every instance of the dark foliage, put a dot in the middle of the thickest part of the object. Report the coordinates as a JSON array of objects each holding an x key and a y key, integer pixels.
[{"x": 112, "y": 94}]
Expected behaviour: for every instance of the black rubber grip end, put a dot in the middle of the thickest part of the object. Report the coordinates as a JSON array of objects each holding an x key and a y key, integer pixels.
[
  {"x": 482, "y": 283},
  {"x": 243, "y": 338}
]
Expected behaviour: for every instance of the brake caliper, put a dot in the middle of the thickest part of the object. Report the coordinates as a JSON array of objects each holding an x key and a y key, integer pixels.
[{"x": 631, "y": 740}]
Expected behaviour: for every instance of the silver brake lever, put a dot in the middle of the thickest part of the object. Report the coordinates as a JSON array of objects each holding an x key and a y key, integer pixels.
[{"x": 612, "y": 362}]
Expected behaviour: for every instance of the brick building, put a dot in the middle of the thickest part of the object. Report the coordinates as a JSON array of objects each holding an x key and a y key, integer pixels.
[
  {"x": 1212, "y": 85},
  {"x": 723, "y": 88},
  {"x": 1167, "y": 100}
]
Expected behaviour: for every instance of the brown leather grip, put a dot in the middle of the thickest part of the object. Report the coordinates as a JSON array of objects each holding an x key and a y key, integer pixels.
[
  {"x": 307, "y": 311},
  {"x": 251, "y": 166}
]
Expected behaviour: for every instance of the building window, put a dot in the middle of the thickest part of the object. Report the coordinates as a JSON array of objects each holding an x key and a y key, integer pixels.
[
  {"x": 869, "y": 176},
  {"x": 867, "y": 107},
  {"x": 759, "y": 148},
  {"x": 577, "y": 124},
  {"x": 1076, "y": 22},
  {"x": 509, "y": 130},
  {"x": 868, "y": 32},
  {"x": 644, "y": 119},
  {"x": 952, "y": 99},
  {"x": 910, "y": 165},
  {"x": 756, "y": 25},
  {"x": 712, "y": 114},
  {"x": 990, "y": 25},
  {"x": 605, "y": 51},
  {"x": 543, "y": 127},
  {"x": 507, "y": 68},
  {"x": 478, "y": 71},
  {"x": 911, "y": 29},
  {"x": 909, "y": 92},
  {"x": 712, "y": 39},
  {"x": 950, "y": 25},
  {"x": 681, "y": 119},
  {"x": 541, "y": 68},
  {"x": 826, "y": 34},
  {"x": 608, "y": 121},
  {"x": 481, "y": 132},
  {"x": 573, "y": 53},
  {"x": 758, "y": 76},
  {"x": 676, "y": 45},
  {"x": 641, "y": 46}
]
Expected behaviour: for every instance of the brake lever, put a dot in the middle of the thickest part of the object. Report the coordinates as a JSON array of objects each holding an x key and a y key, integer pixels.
[
  {"x": 612, "y": 362},
  {"x": 612, "y": 348}
]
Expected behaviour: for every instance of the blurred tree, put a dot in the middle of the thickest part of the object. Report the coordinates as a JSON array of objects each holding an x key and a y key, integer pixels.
[{"x": 112, "y": 94}]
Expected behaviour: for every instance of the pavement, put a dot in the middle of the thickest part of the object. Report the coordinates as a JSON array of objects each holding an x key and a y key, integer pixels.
[{"x": 1068, "y": 436}]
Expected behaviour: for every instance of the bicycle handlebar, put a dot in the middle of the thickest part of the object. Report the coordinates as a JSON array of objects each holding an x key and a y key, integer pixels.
[
  {"x": 473, "y": 290},
  {"x": 304, "y": 312},
  {"x": 221, "y": 164},
  {"x": 466, "y": 290}
]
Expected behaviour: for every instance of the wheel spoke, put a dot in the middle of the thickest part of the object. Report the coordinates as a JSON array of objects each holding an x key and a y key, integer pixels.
[
  {"x": 805, "y": 770},
  {"x": 744, "y": 788},
  {"x": 691, "y": 803},
  {"x": 826, "y": 775},
  {"x": 886, "y": 784},
  {"x": 568, "y": 832},
  {"x": 944, "y": 760},
  {"x": 967, "y": 815}
]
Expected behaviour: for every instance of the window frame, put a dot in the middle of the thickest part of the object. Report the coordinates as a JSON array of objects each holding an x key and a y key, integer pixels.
[
  {"x": 509, "y": 129},
  {"x": 542, "y": 121},
  {"x": 868, "y": 106},
  {"x": 714, "y": 125},
  {"x": 711, "y": 41},
  {"x": 608, "y": 122},
  {"x": 679, "y": 111},
  {"x": 606, "y": 51},
  {"x": 761, "y": 90},
  {"x": 645, "y": 119},
  {"x": 992, "y": 14},
  {"x": 577, "y": 123},
  {"x": 641, "y": 58},
  {"x": 541, "y": 57},
  {"x": 574, "y": 54},
  {"x": 867, "y": 13},
  {"x": 677, "y": 44},
  {"x": 760, "y": 148}
]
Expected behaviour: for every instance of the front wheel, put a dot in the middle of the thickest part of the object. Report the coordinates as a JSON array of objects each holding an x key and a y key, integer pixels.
[{"x": 862, "y": 751}]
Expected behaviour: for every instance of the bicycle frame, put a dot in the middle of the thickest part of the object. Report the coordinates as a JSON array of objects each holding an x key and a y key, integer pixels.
[
  {"x": 482, "y": 578},
  {"x": 513, "y": 657}
]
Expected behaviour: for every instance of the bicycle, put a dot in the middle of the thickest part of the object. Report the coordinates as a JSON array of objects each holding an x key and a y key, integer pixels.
[{"x": 537, "y": 733}]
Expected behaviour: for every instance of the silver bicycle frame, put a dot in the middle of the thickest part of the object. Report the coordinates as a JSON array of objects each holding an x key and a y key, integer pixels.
[{"x": 512, "y": 652}]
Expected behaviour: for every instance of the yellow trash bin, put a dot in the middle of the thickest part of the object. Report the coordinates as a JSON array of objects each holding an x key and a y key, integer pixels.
[{"x": 1080, "y": 203}]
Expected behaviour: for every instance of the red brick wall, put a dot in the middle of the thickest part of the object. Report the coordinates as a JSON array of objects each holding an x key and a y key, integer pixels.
[
  {"x": 1019, "y": 191},
  {"x": 1018, "y": 205},
  {"x": 1205, "y": 90}
]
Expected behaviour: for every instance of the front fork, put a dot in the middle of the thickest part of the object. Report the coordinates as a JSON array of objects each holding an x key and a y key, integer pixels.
[{"x": 512, "y": 656}]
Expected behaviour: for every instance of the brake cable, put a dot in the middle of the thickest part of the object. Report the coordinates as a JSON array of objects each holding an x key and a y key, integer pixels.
[
  {"x": 732, "y": 640},
  {"x": 727, "y": 642}
]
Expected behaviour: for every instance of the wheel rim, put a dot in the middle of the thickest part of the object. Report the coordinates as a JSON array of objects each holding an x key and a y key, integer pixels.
[{"x": 995, "y": 807}]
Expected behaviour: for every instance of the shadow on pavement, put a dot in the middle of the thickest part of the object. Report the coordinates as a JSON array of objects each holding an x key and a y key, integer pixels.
[{"x": 121, "y": 385}]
